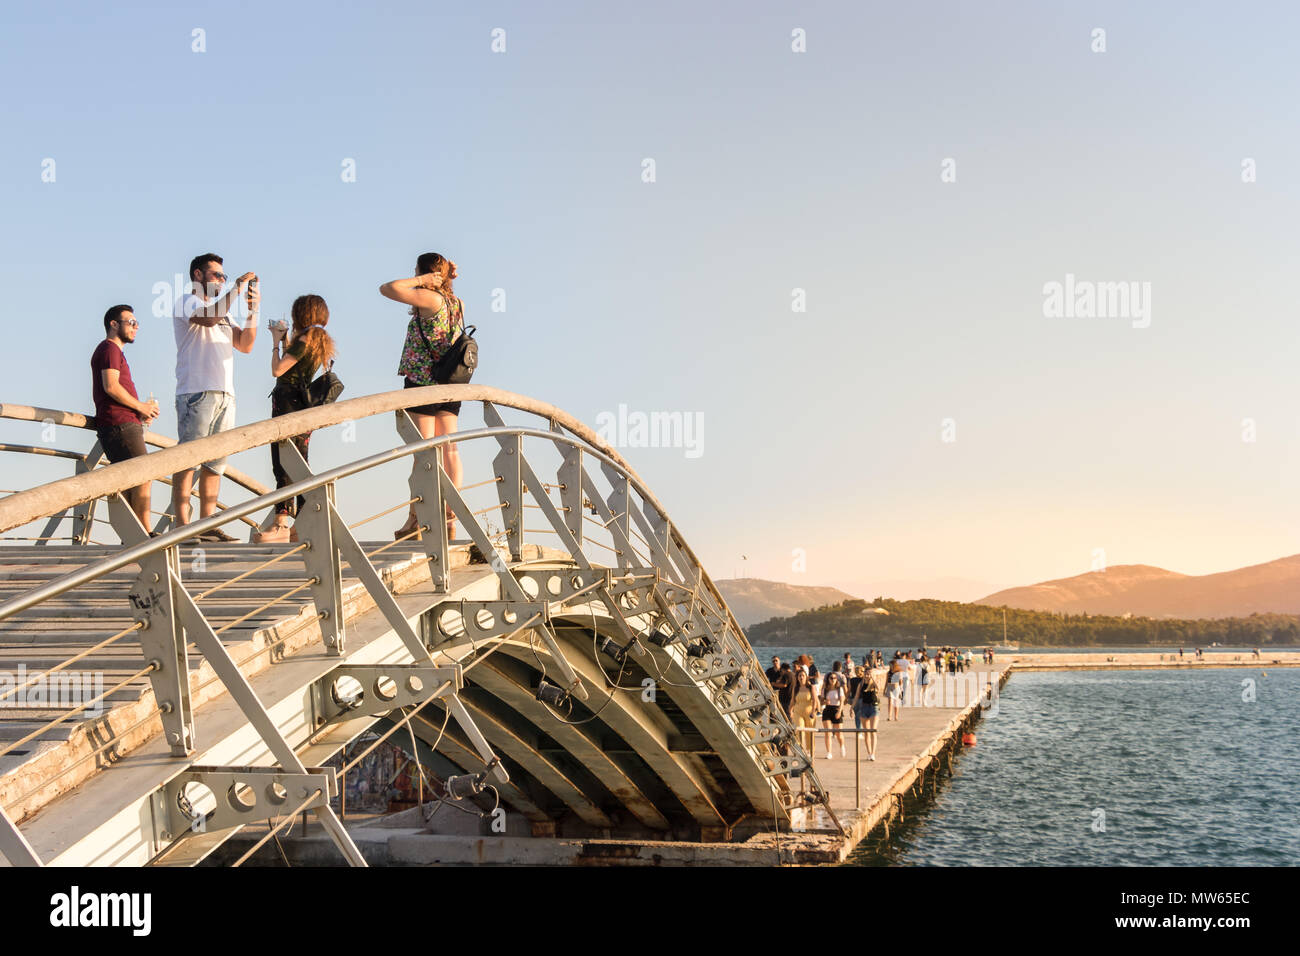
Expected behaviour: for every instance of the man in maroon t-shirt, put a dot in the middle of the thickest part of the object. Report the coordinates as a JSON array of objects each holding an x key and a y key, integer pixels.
[{"x": 118, "y": 410}]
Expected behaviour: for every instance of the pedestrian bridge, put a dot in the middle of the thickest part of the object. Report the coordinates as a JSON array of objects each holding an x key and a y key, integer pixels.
[{"x": 583, "y": 674}]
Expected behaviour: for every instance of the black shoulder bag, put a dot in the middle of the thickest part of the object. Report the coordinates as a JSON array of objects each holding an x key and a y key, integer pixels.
[{"x": 326, "y": 388}]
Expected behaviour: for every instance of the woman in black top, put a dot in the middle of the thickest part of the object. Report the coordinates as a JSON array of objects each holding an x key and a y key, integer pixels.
[
  {"x": 309, "y": 348},
  {"x": 854, "y": 683}
]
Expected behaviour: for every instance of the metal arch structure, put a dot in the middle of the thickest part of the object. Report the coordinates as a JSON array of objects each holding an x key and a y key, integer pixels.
[{"x": 610, "y": 697}]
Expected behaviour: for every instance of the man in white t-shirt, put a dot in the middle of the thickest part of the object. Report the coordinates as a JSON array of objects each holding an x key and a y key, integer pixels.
[{"x": 205, "y": 375}]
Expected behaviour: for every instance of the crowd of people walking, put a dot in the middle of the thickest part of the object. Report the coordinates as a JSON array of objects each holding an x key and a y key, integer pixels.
[
  {"x": 862, "y": 690},
  {"x": 207, "y": 334}
]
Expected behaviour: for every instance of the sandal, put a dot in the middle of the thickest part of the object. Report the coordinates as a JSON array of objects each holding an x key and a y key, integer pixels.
[
  {"x": 279, "y": 534},
  {"x": 406, "y": 529},
  {"x": 276, "y": 534}
]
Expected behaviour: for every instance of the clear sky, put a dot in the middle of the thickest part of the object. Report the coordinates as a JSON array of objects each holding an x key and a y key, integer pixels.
[{"x": 823, "y": 430}]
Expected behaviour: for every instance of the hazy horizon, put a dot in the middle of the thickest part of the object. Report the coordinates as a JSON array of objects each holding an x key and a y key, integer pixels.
[{"x": 949, "y": 588}]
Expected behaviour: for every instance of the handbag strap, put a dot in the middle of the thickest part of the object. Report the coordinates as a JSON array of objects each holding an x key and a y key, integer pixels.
[{"x": 419, "y": 322}]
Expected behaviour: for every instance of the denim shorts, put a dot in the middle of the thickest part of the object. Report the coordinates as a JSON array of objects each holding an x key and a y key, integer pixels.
[{"x": 200, "y": 414}]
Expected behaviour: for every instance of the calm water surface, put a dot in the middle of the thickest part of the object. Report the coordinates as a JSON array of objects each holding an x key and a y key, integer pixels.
[{"x": 1182, "y": 769}]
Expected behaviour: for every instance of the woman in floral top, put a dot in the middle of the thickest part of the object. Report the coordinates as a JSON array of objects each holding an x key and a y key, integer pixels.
[{"x": 437, "y": 319}]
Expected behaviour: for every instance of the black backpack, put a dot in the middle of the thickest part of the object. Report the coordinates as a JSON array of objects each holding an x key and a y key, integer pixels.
[
  {"x": 325, "y": 389},
  {"x": 457, "y": 366}
]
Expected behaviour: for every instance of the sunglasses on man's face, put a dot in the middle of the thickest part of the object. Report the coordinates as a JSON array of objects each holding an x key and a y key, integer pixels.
[{"x": 134, "y": 323}]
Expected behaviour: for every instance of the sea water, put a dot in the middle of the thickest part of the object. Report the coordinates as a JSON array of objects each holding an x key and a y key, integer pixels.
[{"x": 1113, "y": 768}]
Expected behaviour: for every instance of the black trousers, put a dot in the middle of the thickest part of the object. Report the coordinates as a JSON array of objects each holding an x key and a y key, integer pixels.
[{"x": 282, "y": 405}]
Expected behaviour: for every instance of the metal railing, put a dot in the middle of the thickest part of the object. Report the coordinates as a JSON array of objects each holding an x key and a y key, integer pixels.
[
  {"x": 82, "y": 515},
  {"x": 651, "y": 591}
]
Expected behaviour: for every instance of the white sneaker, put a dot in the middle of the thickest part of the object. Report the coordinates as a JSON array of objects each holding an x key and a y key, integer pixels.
[
  {"x": 873, "y": 756},
  {"x": 828, "y": 755}
]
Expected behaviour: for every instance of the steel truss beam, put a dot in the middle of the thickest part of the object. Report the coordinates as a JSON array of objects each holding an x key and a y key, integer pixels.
[
  {"x": 155, "y": 598},
  {"x": 731, "y": 658},
  {"x": 197, "y": 628},
  {"x": 343, "y": 545},
  {"x": 430, "y": 510},
  {"x": 243, "y": 795},
  {"x": 479, "y": 620},
  {"x": 381, "y": 688}
]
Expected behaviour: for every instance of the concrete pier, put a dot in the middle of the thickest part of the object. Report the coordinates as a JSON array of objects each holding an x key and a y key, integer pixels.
[{"x": 1110, "y": 660}]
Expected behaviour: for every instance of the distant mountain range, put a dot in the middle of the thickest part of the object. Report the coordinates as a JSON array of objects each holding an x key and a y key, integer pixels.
[
  {"x": 753, "y": 600},
  {"x": 1145, "y": 591}
]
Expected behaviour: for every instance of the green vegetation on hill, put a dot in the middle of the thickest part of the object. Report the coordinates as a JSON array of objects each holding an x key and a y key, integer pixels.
[{"x": 951, "y": 622}]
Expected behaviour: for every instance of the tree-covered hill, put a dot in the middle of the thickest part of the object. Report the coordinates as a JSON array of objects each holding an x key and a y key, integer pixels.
[{"x": 858, "y": 622}]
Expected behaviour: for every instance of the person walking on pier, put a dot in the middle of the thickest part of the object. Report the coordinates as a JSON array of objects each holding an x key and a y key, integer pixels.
[
  {"x": 894, "y": 689},
  {"x": 437, "y": 321},
  {"x": 814, "y": 675},
  {"x": 925, "y": 681},
  {"x": 866, "y": 704},
  {"x": 855, "y": 685},
  {"x": 803, "y": 708},
  {"x": 786, "y": 693},
  {"x": 293, "y": 367},
  {"x": 778, "y": 679},
  {"x": 206, "y": 341},
  {"x": 833, "y": 698},
  {"x": 120, "y": 416}
]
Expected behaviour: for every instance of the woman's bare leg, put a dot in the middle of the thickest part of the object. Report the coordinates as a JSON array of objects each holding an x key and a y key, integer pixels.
[
  {"x": 445, "y": 424},
  {"x": 425, "y": 424}
]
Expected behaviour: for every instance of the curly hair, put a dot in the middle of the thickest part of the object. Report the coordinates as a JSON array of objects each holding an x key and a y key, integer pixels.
[{"x": 309, "y": 311}]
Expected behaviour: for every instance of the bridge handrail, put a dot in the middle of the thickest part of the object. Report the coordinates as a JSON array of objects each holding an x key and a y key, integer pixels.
[
  {"x": 35, "y": 413},
  {"x": 133, "y": 553},
  {"x": 56, "y": 496},
  {"x": 44, "y": 500}
]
